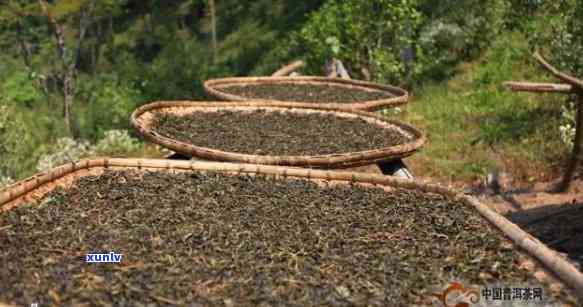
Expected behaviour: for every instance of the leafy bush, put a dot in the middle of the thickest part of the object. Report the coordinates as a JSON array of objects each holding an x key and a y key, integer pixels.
[
  {"x": 108, "y": 105},
  {"x": 400, "y": 41},
  {"x": 476, "y": 22},
  {"x": 64, "y": 151},
  {"x": 21, "y": 139},
  {"x": 567, "y": 128},
  {"x": 557, "y": 31},
  {"x": 19, "y": 88},
  {"x": 367, "y": 35},
  {"x": 179, "y": 71},
  {"x": 5, "y": 181},
  {"x": 566, "y": 44},
  {"x": 567, "y": 47},
  {"x": 115, "y": 142}
]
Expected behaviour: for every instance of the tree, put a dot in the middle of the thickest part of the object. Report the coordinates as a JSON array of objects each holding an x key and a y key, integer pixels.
[
  {"x": 22, "y": 35},
  {"x": 69, "y": 58},
  {"x": 365, "y": 35},
  {"x": 213, "y": 13}
]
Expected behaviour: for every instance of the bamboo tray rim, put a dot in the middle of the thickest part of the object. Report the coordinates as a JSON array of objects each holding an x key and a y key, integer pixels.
[
  {"x": 399, "y": 97},
  {"x": 340, "y": 160},
  {"x": 559, "y": 267}
]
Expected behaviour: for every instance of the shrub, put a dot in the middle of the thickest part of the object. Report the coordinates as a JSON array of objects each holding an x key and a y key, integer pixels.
[
  {"x": 179, "y": 71},
  {"x": 5, "y": 181},
  {"x": 364, "y": 34},
  {"x": 116, "y": 142},
  {"x": 400, "y": 41},
  {"x": 19, "y": 88},
  {"x": 17, "y": 143},
  {"x": 108, "y": 105},
  {"x": 66, "y": 150},
  {"x": 566, "y": 45}
]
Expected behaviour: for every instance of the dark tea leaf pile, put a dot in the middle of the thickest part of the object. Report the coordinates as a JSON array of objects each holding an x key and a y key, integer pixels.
[
  {"x": 262, "y": 132},
  {"x": 305, "y": 93},
  {"x": 201, "y": 239}
]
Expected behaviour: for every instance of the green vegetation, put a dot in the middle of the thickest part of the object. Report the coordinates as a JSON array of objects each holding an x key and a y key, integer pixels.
[
  {"x": 78, "y": 75},
  {"x": 474, "y": 124},
  {"x": 401, "y": 41}
]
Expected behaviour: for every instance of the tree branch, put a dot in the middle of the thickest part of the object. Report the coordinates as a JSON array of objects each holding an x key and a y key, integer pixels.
[
  {"x": 558, "y": 74},
  {"x": 533, "y": 87},
  {"x": 288, "y": 69},
  {"x": 24, "y": 46},
  {"x": 84, "y": 22}
]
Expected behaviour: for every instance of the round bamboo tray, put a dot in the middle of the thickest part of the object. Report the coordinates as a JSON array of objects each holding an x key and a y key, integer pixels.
[
  {"x": 142, "y": 119},
  {"x": 544, "y": 263},
  {"x": 399, "y": 96}
]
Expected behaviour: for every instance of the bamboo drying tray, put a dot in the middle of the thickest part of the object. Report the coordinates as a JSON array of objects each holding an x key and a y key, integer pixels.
[
  {"x": 142, "y": 118},
  {"x": 546, "y": 265},
  {"x": 400, "y": 96}
]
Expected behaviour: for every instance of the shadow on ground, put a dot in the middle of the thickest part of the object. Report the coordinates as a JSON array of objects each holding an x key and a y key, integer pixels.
[{"x": 560, "y": 227}]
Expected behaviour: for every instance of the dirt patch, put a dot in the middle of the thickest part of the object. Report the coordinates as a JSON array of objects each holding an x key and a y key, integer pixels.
[
  {"x": 224, "y": 240},
  {"x": 556, "y": 219},
  {"x": 276, "y": 133},
  {"x": 305, "y": 93},
  {"x": 561, "y": 230}
]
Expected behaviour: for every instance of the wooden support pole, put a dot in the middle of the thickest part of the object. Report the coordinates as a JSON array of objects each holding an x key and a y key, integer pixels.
[
  {"x": 557, "y": 74},
  {"x": 577, "y": 148},
  {"x": 289, "y": 69},
  {"x": 534, "y": 87}
]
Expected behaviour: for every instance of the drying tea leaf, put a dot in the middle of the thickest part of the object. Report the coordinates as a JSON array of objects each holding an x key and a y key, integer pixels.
[
  {"x": 217, "y": 240},
  {"x": 261, "y": 132},
  {"x": 299, "y": 92}
]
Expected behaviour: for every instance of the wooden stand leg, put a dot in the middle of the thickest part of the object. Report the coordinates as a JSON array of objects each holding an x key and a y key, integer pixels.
[{"x": 575, "y": 155}]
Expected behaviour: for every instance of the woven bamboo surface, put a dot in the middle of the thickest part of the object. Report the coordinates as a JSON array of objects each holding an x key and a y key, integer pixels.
[
  {"x": 554, "y": 268},
  {"x": 400, "y": 96},
  {"x": 142, "y": 119}
]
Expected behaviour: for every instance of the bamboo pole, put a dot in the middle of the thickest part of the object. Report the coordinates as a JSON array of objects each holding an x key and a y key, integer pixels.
[
  {"x": 289, "y": 68},
  {"x": 535, "y": 87},
  {"x": 558, "y": 74}
]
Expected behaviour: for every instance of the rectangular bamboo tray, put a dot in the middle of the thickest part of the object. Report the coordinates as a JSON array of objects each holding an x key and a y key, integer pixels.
[{"x": 544, "y": 263}]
